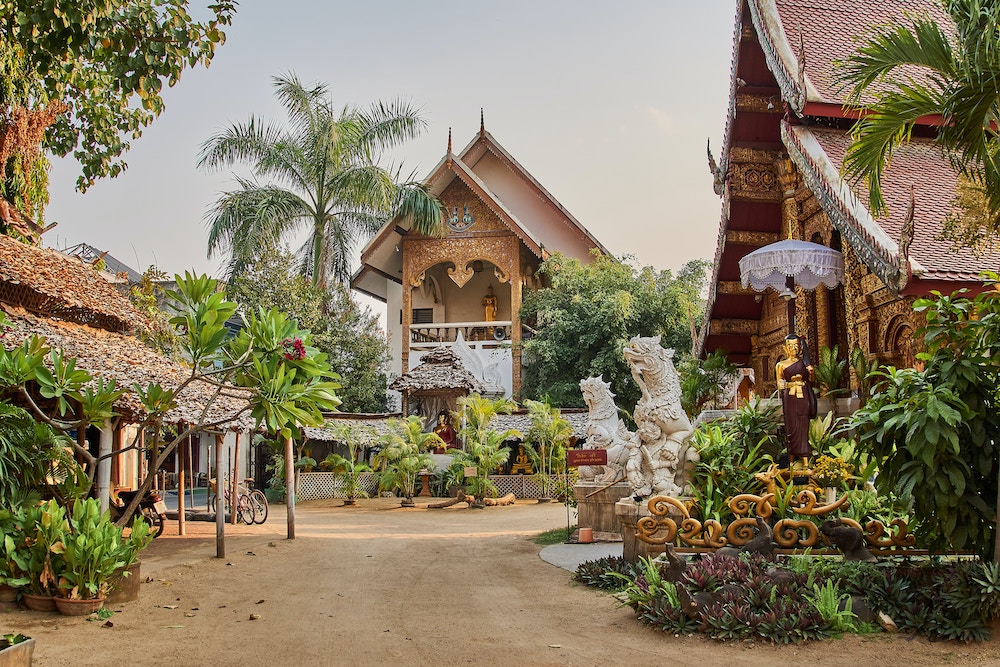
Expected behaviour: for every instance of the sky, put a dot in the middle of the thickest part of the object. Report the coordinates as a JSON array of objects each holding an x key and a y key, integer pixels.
[{"x": 608, "y": 105}]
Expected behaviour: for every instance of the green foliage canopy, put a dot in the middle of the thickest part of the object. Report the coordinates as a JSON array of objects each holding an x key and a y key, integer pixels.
[
  {"x": 108, "y": 60},
  {"x": 350, "y": 336},
  {"x": 590, "y": 312},
  {"x": 934, "y": 432}
]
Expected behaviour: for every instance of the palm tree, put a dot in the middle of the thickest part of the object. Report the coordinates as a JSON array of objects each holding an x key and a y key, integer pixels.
[
  {"x": 549, "y": 435},
  {"x": 482, "y": 448},
  {"x": 319, "y": 173},
  {"x": 959, "y": 81},
  {"x": 404, "y": 454}
]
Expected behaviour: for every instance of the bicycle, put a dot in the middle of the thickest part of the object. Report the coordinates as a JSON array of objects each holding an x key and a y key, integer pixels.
[{"x": 251, "y": 506}]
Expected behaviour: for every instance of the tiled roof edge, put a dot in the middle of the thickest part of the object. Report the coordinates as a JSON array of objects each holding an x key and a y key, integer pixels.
[{"x": 846, "y": 212}]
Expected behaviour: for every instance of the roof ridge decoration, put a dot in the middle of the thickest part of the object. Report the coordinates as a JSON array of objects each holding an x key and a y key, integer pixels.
[
  {"x": 846, "y": 212},
  {"x": 787, "y": 67}
]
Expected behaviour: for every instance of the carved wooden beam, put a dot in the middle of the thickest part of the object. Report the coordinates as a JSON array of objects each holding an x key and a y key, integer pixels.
[
  {"x": 758, "y": 239},
  {"x": 733, "y": 327},
  {"x": 732, "y": 287}
]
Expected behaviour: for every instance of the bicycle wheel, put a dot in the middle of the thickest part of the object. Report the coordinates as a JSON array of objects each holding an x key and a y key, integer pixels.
[
  {"x": 259, "y": 502},
  {"x": 245, "y": 510}
]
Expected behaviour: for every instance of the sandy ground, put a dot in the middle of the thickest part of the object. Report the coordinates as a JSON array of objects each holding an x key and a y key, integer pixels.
[{"x": 379, "y": 584}]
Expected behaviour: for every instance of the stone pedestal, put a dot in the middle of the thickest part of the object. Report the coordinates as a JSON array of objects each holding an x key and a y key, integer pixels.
[
  {"x": 598, "y": 511},
  {"x": 628, "y": 512}
]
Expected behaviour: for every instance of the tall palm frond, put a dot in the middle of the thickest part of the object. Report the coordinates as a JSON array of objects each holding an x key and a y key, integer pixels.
[
  {"x": 326, "y": 164},
  {"x": 916, "y": 69}
]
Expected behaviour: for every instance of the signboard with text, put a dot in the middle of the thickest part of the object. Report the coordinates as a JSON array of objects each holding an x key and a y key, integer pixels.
[{"x": 586, "y": 457}]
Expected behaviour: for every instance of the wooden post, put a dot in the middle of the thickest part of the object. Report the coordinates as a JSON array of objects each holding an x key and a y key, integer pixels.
[
  {"x": 233, "y": 486},
  {"x": 290, "y": 486},
  {"x": 220, "y": 517},
  {"x": 181, "y": 451}
]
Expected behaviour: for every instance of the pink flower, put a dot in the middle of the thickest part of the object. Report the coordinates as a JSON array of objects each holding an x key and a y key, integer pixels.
[{"x": 294, "y": 349}]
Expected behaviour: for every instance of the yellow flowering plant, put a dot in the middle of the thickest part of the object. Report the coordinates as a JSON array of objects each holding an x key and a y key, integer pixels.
[{"x": 831, "y": 471}]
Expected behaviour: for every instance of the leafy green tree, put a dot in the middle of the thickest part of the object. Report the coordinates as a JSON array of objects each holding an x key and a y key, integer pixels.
[
  {"x": 86, "y": 76},
  {"x": 590, "y": 312},
  {"x": 917, "y": 68},
  {"x": 350, "y": 335},
  {"x": 935, "y": 432},
  {"x": 318, "y": 174}
]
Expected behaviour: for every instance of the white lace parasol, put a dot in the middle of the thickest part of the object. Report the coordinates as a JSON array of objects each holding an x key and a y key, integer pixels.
[{"x": 809, "y": 264}]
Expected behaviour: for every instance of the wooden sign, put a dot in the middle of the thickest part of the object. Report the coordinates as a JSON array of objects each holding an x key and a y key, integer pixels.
[
  {"x": 587, "y": 457},
  {"x": 470, "y": 471}
]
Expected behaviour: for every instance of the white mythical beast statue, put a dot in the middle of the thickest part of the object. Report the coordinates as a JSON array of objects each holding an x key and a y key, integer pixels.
[
  {"x": 659, "y": 453},
  {"x": 605, "y": 430}
]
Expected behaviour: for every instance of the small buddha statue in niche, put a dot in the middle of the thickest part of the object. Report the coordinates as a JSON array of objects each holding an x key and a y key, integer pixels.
[{"x": 490, "y": 305}]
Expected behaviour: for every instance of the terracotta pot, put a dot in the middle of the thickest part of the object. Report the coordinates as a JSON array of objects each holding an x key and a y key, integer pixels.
[
  {"x": 125, "y": 589},
  {"x": 18, "y": 655},
  {"x": 585, "y": 536},
  {"x": 68, "y": 607},
  {"x": 7, "y": 593},
  {"x": 39, "y": 602}
]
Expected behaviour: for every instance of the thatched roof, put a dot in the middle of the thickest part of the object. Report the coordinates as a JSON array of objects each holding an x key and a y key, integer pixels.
[
  {"x": 128, "y": 361},
  {"x": 439, "y": 370},
  {"x": 47, "y": 282}
]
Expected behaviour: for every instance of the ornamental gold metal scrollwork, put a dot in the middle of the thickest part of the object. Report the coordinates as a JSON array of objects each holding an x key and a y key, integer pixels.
[
  {"x": 740, "y": 505},
  {"x": 741, "y": 531},
  {"x": 902, "y": 538},
  {"x": 710, "y": 535},
  {"x": 787, "y": 535},
  {"x": 667, "y": 512},
  {"x": 648, "y": 526},
  {"x": 806, "y": 500}
]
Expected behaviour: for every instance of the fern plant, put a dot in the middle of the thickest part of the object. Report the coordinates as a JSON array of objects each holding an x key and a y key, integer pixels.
[{"x": 833, "y": 606}]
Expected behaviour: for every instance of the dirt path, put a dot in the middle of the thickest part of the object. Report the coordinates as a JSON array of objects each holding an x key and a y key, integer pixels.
[{"x": 378, "y": 584}]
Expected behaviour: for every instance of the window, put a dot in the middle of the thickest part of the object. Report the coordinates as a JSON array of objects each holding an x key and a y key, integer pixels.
[{"x": 423, "y": 316}]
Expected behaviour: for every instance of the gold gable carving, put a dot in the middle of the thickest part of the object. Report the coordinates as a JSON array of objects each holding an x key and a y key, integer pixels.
[{"x": 500, "y": 250}]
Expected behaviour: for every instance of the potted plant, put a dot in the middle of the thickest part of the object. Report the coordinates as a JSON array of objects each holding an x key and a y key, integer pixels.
[
  {"x": 16, "y": 650},
  {"x": 95, "y": 552},
  {"x": 403, "y": 455},
  {"x": 484, "y": 449},
  {"x": 45, "y": 528},
  {"x": 13, "y": 556},
  {"x": 831, "y": 473}
]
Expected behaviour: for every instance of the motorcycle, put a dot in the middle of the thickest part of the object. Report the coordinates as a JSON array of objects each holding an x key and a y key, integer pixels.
[{"x": 152, "y": 507}]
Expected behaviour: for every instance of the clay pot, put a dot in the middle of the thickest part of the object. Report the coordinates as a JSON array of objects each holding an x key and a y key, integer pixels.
[
  {"x": 18, "y": 655},
  {"x": 585, "y": 536},
  {"x": 125, "y": 589},
  {"x": 68, "y": 607},
  {"x": 38, "y": 602},
  {"x": 7, "y": 593}
]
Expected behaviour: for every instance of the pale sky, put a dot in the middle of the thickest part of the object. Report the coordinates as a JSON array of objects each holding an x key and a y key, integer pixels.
[{"x": 608, "y": 105}]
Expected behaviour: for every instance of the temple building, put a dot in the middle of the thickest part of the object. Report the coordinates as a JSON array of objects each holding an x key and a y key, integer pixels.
[
  {"x": 779, "y": 176},
  {"x": 463, "y": 289}
]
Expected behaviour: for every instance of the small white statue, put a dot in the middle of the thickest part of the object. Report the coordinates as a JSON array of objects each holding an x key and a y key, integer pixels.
[{"x": 605, "y": 430}]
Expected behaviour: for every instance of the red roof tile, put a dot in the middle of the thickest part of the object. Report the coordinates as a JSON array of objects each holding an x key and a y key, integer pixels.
[
  {"x": 921, "y": 166},
  {"x": 830, "y": 31}
]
